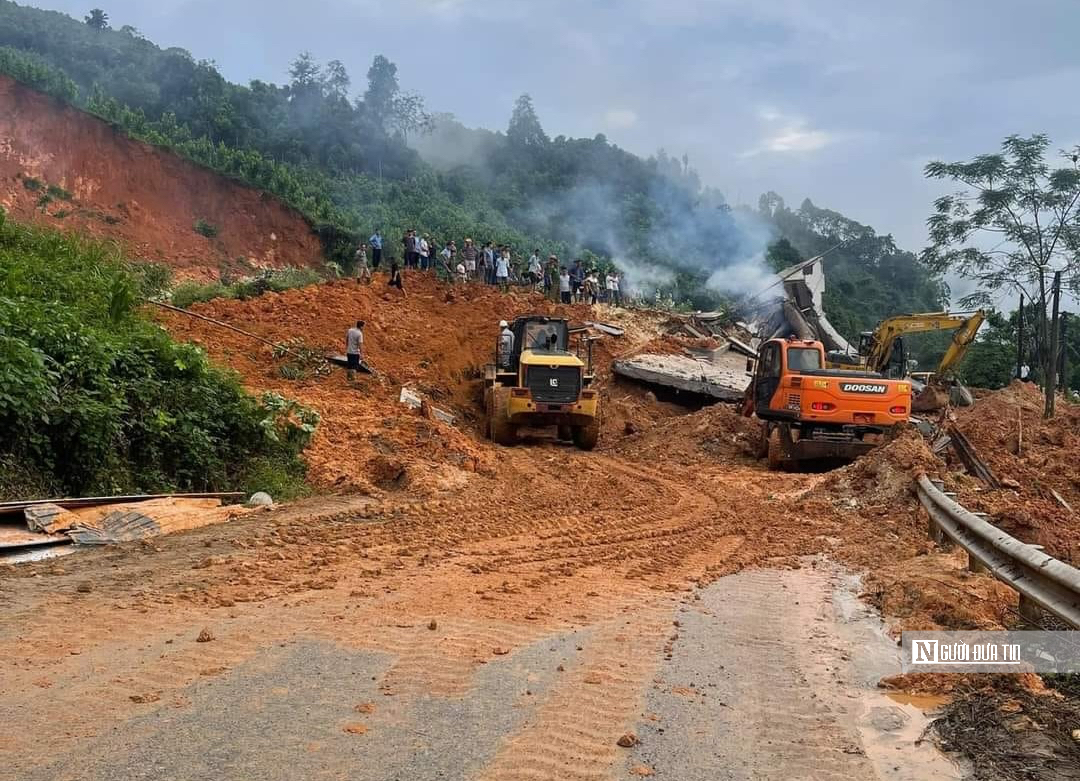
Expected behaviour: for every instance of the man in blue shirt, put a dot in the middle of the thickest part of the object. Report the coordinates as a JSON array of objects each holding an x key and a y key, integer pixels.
[{"x": 376, "y": 249}]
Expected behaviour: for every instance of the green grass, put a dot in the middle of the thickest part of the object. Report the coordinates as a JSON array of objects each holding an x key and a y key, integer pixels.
[{"x": 58, "y": 192}]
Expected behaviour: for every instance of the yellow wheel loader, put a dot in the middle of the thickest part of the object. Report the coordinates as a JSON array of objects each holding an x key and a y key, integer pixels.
[{"x": 538, "y": 382}]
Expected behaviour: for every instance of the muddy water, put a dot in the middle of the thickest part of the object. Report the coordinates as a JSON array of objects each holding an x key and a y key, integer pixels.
[{"x": 924, "y": 702}]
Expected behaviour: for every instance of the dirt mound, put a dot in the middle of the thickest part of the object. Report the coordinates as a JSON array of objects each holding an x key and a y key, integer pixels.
[
  {"x": 1034, "y": 458},
  {"x": 69, "y": 170},
  {"x": 886, "y": 474},
  {"x": 718, "y": 433},
  {"x": 936, "y": 592},
  {"x": 430, "y": 342}
]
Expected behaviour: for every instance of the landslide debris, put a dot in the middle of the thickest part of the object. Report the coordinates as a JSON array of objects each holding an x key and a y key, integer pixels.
[
  {"x": 1034, "y": 458},
  {"x": 430, "y": 342}
]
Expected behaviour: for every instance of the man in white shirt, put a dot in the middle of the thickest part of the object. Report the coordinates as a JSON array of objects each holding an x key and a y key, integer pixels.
[
  {"x": 502, "y": 270},
  {"x": 354, "y": 349},
  {"x": 564, "y": 285},
  {"x": 425, "y": 253},
  {"x": 536, "y": 268}
]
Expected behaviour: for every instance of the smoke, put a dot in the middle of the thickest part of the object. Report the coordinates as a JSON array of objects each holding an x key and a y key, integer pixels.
[{"x": 653, "y": 219}]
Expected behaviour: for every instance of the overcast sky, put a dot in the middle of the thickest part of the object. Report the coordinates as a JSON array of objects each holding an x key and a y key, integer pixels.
[{"x": 841, "y": 101}]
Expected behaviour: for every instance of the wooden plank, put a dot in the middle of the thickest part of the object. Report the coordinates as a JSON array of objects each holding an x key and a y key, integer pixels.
[
  {"x": 607, "y": 328},
  {"x": 975, "y": 465},
  {"x": 337, "y": 359}
]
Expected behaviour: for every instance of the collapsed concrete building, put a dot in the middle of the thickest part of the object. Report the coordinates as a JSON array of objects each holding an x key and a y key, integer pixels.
[{"x": 793, "y": 304}]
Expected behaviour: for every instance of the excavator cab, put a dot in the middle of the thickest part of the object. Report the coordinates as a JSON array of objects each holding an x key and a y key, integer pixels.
[{"x": 896, "y": 365}]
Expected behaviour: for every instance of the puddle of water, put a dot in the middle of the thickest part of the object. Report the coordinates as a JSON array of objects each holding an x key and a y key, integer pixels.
[{"x": 923, "y": 702}]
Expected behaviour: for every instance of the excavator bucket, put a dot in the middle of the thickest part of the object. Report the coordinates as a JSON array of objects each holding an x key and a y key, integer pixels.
[{"x": 932, "y": 397}]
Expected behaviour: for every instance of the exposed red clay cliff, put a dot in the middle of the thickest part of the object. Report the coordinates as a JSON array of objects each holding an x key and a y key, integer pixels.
[{"x": 146, "y": 198}]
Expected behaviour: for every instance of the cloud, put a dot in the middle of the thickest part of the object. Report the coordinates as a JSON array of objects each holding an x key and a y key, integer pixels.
[
  {"x": 620, "y": 118},
  {"x": 786, "y": 134}
]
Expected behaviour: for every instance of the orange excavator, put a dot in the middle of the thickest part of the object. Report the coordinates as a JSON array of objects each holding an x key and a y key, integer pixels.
[{"x": 811, "y": 413}]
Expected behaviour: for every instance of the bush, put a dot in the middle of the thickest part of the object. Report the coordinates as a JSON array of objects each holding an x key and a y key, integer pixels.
[
  {"x": 95, "y": 398},
  {"x": 205, "y": 228},
  {"x": 187, "y": 293},
  {"x": 276, "y": 281},
  {"x": 58, "y": 192}
]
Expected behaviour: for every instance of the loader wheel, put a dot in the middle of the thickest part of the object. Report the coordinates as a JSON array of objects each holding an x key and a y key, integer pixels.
[
  {"x": 566, "y": 433},
  {"x": 776, "y": 452},
  {"x": 503, "y": 432},
  {"x": 585, "y": 437}
]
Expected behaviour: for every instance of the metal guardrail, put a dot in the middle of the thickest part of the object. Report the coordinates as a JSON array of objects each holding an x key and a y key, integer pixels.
[{"x": 1041, "y": 580}]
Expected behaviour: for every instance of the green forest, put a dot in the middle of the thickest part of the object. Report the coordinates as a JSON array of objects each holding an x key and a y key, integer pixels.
[{"x": 343, "y": 154}]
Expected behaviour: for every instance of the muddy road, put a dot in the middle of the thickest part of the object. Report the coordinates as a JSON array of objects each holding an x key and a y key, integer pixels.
[{"x": 517, "y": 629}]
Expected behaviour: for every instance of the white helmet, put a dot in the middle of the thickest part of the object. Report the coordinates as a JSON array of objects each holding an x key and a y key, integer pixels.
[{"x": 503, "y": 324}]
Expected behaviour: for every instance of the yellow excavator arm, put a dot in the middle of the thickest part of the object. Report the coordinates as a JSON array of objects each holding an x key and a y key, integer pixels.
[{"x": 965, "y": 325}]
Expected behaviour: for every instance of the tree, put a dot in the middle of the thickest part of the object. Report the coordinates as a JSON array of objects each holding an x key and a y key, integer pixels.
[
  {"x": 382, "y": 90},
  {"x": 408, "y": 114},
  {"x": 991, "y": 360},
  {"x": 336, "y": 80},
  {"x": 525, "y": 129},
  {"x": 97, "y": 19},
  {"x": 304, "y": 71},
  {"x": 781, "y": 255},
  {"x": 1013, "y": 227}
]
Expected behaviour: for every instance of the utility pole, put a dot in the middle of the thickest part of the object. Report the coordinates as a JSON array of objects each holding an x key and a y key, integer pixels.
[
  {"x": 1051, "y": 363},
  {"x": 1063, "y": 351},
  {"x": 1020, "y": 340}
]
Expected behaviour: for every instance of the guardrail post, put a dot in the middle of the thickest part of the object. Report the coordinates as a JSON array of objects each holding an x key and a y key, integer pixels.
[
  {"x": 937, "y": 536},
  {"x": 1030, "y": 610},
  {"x": 974, "y": 565}
]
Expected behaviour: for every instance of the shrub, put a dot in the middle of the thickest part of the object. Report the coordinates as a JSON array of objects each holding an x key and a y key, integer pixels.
[
  {"x": 96, "y": 398},
  {"x": 205, "y": 228},
  {"x": 277, "y": 280},
  {"x": 187, "y": 293},
  {"x": 58, "y": 192}
]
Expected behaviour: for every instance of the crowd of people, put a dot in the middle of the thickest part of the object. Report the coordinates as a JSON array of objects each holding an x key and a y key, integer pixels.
[{"x": 490, "y": 264}]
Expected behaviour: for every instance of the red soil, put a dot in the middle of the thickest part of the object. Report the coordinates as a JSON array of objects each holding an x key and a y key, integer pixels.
[
  {"x": 435, "y": 341},
  {"x": 1046, "y": 462},
  {"x": 145, "y": 198}
]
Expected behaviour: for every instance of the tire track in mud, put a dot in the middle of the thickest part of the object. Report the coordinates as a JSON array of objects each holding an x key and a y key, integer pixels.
[{"x": 573, "y": 735}]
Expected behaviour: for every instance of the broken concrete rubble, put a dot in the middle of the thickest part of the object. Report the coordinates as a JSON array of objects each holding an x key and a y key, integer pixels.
[
  {"x": 719, "y": 374},
  {"x": 718, "y": 370},
  {"x": 411, "y": 398}
]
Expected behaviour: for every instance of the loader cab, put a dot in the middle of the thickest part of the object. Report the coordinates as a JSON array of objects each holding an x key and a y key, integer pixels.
[
  {"x": 537, "y": 335},
  {"x": 541, "y": 335}
]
